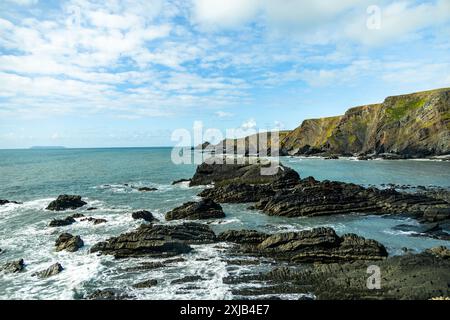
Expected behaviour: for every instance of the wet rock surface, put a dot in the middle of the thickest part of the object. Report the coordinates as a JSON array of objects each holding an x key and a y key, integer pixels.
[
  {"x": 144, "y": 215},
  {"x": 2, "y": 202},
  {"x": 61, "y": 222},
  {"x": 222, "y": 171},
  {"x": 204, "y": 209},
  {"x": 66, "y": 202},
  {"x": 156, "y": 240},
  {"x": 108, "y": 294},
  {"x": 54, "y": 269},
  {"x": 420, "y": 276},
  {"x": 319, "y": 245},
  {"x": 13, "y": 266},
  {"x": 146, "y": 284},
  {"x": 68, "y": 242}
]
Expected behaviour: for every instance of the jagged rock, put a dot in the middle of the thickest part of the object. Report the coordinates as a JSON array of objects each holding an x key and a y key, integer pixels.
[
  {"x": 317, "y": 245},
  {"x": 238, "y": 193},
  {"x": 187, "y": 279},
  {"x": 332, "y": 157},
  {"x": 68, "y": 242},
  {"x": 408, "y": 277},
  {"x": 156, "y": 240},
  {"x": 62, "y": 222},
  {"x": 180, "y": 181},
  {"x": 204, "y": 209},
  {"x": 95, "y": 220},
  {"x": 108, "y": 294},
  {"x": 78, "y": 215},
  {"x": 242, "y": 236},
  {"x": 436, "y": 214},
  {"x": 2, "y": 202},
  {"x": 221, "y": 171},
  {"x": 442, "y": 252},
  {"x": 432, "y": 230},
  {"x": 64, "y": 202},
  {"x": 54, "y": 269},
  {"x": 13, "y": 266},
  {"x": 143, "y": 214},
  {"x": 146, "y": 284},
  {"x": 91, "y": 209}
]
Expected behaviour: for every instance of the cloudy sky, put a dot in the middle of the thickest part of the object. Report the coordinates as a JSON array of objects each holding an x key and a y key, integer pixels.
[{"x": 85, "y": 73}]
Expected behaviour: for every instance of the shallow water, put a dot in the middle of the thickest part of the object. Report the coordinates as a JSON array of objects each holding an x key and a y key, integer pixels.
[{"x": 36, "y": 177}]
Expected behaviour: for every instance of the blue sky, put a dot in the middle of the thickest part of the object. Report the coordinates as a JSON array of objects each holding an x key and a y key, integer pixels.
[{"x": 85, "y": 73}]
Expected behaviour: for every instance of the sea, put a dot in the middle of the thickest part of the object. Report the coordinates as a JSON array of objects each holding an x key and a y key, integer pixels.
[{"x": 106, "y": 178}]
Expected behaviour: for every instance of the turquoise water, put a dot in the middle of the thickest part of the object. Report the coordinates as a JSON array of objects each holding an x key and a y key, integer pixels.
[{"x": 36, "y": 177}]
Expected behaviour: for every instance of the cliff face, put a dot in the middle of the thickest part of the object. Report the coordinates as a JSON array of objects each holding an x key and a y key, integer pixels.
[{"x": 416, "y": 124}]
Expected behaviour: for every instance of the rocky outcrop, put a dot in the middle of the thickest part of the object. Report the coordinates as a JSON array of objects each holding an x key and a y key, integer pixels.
[
  {"x": 144, "y": 215},
  {"x": 62, "y": 222},
  {"x": 412, "y": 125},
  {"x": 65, "y": 202},
  {"x": 54, "y": 269},
  {"x": 68, "y": 242},
  {"x": 408, "y": 277},
  {"x": 108, "y": 294},
  {"x": 13, "y": 266},
  {"x": 320, "y": 245},
  {"x": 204, "y": 209},
  {"x": 156, "y": 240},
  {"x": 180, "y": 181},
  {"x": 222, "y": 171},
  {"x": 309, "y": 197}
]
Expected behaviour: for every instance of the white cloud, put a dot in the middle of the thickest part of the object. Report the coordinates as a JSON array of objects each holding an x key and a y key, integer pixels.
[
  {"x": 249, "y": 124},
  {"x": 223, "y": 114}
]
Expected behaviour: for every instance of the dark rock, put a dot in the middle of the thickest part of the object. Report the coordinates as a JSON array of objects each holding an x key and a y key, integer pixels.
[
  {"x": 2, "y": 202},
  {"x": 95, "y": 220},
  {"x": 318, "y": 245},
  {"x": 77, "y": 215},
  {"x": 62, "y": 222},
  {"x": 434, "y": 214},
  {"x": 146, "y": 189},
  {"x": 332, "y": 157},
  {"x": 180, "y": 181},
  {"x": 156, "y": 240},
  {"x": 68, "y": 242},
  {"x": 143, "y": 214},
  {"x": 54, "y": 269},
  {"x": 187, "y": 279},
  {"x": 238, "y": 193},
  {"x": 13, "y": 266},
  {"x": 64, "y": 202},
  {"x": 108, "y": 294},
  {"x": 146, "y": 284},
  {"x": 221, "y": 171},
  {"x": 91, "y": 209},
  {"x": 204, "y": 209},
  {"x": 243, "y": 236}
]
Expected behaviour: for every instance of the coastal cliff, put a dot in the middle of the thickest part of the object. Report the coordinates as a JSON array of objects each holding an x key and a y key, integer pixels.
[{"x": 411, "y": 125}]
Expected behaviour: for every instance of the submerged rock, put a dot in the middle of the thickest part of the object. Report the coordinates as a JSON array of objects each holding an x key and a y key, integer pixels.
[
  {"x": 13, "y": 266},
  {"x": 187, "y": 279},
  {"x": 54, "y": 269},
  {"x": 156, "y": 240},
  {"x": 62, "y": 222},
  {"x": 95, "y": 221},
  {"x": 68, "y": 242},
  {"x": 204, "y": 209},
  {"x": 144, "y": 215},
  {"x": 2, "y": 202},
  {"x": 180, "y": 181},
  {"x": 108, "y": 294},
  {"x": 65, "y": 202},
  {"x": 146, "y": 284},
  {"x": 146, "y": 189}
]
